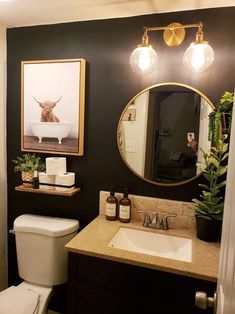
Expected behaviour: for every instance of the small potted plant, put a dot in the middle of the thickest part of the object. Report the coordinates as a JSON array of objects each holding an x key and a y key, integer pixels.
[
  {"x": 27, "y": 165},
  {"x": 220, "y": 119},
  {"x": 209, "y": 208}
]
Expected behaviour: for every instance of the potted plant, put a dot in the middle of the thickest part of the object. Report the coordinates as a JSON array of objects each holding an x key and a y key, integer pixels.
[
  {"x": 209, "y": 208},
  {"x": 27, "y": 165},
  {"x": 220, "y": 119}
]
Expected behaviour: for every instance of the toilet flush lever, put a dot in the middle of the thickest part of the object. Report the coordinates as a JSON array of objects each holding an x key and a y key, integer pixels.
[{"x": 12, "y": 231}]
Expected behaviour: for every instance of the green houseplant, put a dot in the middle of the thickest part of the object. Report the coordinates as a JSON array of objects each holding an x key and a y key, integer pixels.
[
  {"x": 220, "y": 119},
  {"x": 27, "y": 164},
  {"x": 209, "y": 208}
]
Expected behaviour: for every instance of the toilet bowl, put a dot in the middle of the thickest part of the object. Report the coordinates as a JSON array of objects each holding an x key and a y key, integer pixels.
[{"x": 42, "y": 262}]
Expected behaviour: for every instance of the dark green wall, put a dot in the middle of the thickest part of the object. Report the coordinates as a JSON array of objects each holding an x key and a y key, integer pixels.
[{"x": 110, "y": 84}]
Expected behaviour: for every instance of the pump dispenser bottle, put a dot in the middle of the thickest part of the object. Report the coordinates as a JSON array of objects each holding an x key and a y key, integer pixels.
[
  {"x": 111, "y": 208},
  {"x": 125, "y": 207}
]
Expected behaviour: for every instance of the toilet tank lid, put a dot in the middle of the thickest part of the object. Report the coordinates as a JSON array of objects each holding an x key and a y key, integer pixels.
[{"x": 50, "y": 226}]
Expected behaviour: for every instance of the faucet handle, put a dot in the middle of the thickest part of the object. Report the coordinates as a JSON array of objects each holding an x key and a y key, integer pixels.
[
  {"x": 150, "y": 217},
  {"x": 147, "y": 219},
  {"x": 164, "y": 222}
]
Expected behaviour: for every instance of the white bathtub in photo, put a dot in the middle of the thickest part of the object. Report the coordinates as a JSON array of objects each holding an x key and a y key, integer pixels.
[{"x": 57, "y": 130}]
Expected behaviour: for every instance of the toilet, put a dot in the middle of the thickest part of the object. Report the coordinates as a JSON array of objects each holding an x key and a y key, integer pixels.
[{"x": 42, "y": 262}]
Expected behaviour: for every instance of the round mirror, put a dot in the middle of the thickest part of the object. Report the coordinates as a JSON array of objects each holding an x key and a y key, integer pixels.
[{"x": 161, "y": 133}]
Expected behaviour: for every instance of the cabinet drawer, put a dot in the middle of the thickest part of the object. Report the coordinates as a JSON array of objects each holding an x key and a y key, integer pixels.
[
  {"x": 105, "y": 274},
  {"x": 98, "y": 301}
]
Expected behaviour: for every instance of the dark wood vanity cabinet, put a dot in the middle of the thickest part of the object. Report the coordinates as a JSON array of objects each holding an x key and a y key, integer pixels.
[{"x": 100, "y": 286}]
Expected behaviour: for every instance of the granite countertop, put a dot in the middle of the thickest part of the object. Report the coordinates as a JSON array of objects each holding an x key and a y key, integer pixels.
[{"x": 94, "y": 238}]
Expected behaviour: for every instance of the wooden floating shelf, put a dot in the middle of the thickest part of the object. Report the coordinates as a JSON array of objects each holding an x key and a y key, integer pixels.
[{"x": 22, "y": 188}]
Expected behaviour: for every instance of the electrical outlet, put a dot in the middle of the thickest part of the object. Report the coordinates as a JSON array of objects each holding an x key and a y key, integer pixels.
[{"x": 130, "y": 146}]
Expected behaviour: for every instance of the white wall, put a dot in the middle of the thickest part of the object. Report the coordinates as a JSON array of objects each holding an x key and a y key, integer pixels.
[
  {"x": 203, "y": 141},
  {"x": 136, "y": 131},
  {"x": 226, "y": 278},
  {"x": 3, "y": 180}
]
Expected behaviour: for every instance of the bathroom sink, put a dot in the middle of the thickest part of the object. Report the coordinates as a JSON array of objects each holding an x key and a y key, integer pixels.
[{"x": 151, "y": 243}]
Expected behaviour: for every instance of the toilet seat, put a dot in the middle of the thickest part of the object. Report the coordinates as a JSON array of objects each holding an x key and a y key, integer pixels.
[{"x": 27, "y": 298}]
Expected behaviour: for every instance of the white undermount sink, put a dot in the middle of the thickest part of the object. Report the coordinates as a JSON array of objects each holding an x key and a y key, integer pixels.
[{"x": 151, "y": 243}]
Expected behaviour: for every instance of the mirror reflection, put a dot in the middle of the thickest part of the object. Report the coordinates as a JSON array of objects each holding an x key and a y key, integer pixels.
[{"x": 161, "y": 131}]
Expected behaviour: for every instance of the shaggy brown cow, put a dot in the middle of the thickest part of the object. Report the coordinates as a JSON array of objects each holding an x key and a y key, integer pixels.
[{"x": 47, "y": 114}]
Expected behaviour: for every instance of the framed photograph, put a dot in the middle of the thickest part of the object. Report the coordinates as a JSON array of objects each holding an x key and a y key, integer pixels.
[{"x": 52, "y": 106}]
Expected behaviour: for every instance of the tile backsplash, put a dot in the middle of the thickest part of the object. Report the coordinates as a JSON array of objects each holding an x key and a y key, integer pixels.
[{"x": 185, "y": 210}]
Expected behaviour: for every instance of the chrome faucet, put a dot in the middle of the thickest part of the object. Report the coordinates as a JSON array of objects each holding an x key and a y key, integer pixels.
[
  {"x": 152, "y": 220},
  {"x": 163, "y": 224}
]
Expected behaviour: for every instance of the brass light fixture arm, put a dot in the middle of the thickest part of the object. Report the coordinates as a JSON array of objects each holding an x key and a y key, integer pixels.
[
  {"x": 174, "y": 33},
  {"x": 171, "y": 28}
]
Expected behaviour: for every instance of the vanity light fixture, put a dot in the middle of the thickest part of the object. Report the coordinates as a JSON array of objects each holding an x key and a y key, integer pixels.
[{"x": 198, "y": 57}]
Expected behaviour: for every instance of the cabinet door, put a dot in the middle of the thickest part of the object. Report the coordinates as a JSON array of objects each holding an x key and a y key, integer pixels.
[{"x": 101, "y": 286}]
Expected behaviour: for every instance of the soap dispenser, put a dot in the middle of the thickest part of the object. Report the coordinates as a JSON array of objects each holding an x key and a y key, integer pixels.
[
  {"x": 125, "y": 207},
  {"x": 111, "y": 208}
]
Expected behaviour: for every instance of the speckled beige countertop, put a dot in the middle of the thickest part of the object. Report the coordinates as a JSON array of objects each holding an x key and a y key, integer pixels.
[{"x": 93, "y": 241}]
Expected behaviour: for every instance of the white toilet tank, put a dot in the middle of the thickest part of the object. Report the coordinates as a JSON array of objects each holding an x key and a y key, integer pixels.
[{"x": 40, "y": 241}]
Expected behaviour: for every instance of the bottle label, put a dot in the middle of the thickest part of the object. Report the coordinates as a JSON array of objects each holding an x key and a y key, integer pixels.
[
  {"x": 124, "y": 212},
  {"x": 111, "y": 209}
]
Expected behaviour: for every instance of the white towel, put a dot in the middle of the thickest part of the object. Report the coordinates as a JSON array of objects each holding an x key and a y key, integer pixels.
[{"x": 21, "y": 301}]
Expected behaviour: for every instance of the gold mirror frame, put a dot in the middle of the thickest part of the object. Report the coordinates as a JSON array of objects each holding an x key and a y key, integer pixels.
[{"x": 121, "y": 119}]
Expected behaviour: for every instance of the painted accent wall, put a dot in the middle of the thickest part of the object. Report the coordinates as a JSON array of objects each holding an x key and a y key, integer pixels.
[
  {"x": 110, "y": 84},
  {"x": 3, "y": 172}
]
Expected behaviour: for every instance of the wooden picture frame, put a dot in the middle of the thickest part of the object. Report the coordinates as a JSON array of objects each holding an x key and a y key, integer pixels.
[{"x": 53, "y": 106}]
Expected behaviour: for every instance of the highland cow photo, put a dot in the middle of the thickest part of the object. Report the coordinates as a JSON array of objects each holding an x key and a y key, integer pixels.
[{"x": 52, "y": 106}]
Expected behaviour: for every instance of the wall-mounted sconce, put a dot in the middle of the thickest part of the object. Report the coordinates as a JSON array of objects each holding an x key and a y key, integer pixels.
[{"x": 198, "y": 57}]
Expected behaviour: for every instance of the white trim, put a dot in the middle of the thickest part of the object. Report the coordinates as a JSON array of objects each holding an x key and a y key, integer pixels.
[
  {"x": 226, "y": 280},
  {"x": 3, "y": 174}
]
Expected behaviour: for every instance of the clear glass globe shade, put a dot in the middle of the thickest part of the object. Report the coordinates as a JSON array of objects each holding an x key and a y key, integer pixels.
[
  {"x": 198, "y": 57},
  {"x": 143, "y": 59}
]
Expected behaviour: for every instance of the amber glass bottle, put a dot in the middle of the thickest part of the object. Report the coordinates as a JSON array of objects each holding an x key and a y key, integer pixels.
[
  {"x": 111, "y": 206},
  {"x": 125, "y": 207}
]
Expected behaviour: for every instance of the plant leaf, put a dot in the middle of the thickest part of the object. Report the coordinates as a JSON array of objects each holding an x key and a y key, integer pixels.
[
  {"x": 203, "y": 216},
  {"x": 204, "y": 186},
  {"x": 220, "y": 185},
  {"x": 224, "y": 147},
  {"x": 221, "y": 170},
  {"x": 201, "y": 204},
  {"x": 225, "y": 156},
  {"x": 214, "y": 161},
  {"x": 217, "y": 217}
]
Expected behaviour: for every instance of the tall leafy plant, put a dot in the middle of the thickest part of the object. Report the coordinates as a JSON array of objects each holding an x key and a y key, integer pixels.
[
  {"x": 211, "y": 205},
  {"x": 217, "y": 117}
]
